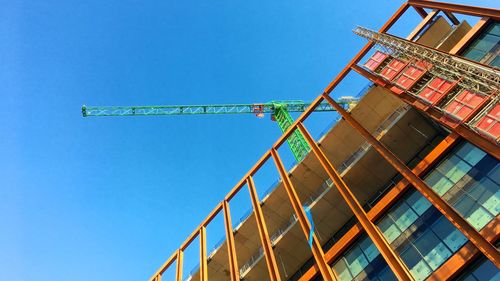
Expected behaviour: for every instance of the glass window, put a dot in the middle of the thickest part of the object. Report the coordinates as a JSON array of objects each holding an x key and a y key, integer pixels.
[
  {"x": 387, "y": 275},
  {"x": 470, "y": 153},
  {"x": 418, "y": 203},
  {"x": 454, "y": 168},
  {"x": 487, "y": 272},
  {"x": 494, "y": 174},
  {"x": 362, "y": 262},
  {"x": 484, "y": 271},
  {"x": 418, "y": 267},
  {"x": 433, "y": 250},
  {"x": 451, "y": 236},
  {"x": 439, "y": 183},
  {"x": 356, "y": 261},
  {"x": 341, "y": 270},
  {"x": 468, "y": 178},
  {"x": 371, "y": 252},
  {"x": 496, "y": 62},
  {"x": 486, "y": 48},
  {"x": 389, "y": 229},
  {"x": 487, "y": 193},
  {"x": 476, "y": 215},
  {"x": 404, "y": 216}
]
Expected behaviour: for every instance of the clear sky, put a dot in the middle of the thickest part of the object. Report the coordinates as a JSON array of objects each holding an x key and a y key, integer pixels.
[{"x": 112, "y": 198}]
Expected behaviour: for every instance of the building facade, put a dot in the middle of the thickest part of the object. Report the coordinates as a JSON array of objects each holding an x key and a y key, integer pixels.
[{"x": 405, "y": 186}]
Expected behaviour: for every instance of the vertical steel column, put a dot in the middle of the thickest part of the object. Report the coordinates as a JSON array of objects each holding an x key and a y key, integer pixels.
[
  {"x": 319, "y": 255},
  {"x": 178, "y": 273},
  {"x": 231, "y": 250},
  {"x": 455, "y": 218},
  {"x": 203, "y": 254},
  {"x": 393, "y": 260},
  {"x": 272, "y": 265}
]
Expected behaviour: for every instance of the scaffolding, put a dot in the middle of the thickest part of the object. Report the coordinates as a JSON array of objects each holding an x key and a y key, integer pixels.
[{"x": 464, "y": 91}]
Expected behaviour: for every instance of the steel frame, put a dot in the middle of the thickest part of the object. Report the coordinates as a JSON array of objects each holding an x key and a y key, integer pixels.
[
  {"x": 448, "y": 211},
  {"x": 317, "y": 251},
  {"x": 460, "y": 129},
  {"x": 272, "y": 265},
  {"x": 480, "y": 241},
  {"x": 203, "y": 254},
  {"x": 386, "y": 202},
  {"x": 393, "y": 260},
  {"x": 231, "y": 250}
]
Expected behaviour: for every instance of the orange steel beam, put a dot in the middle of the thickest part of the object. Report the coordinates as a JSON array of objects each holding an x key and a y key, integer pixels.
[
  {"x": 272, "y": 265},
  {"x": 475, "y": 30},
  {"x": 178, "y": 272},
  {"x": 203, "y": 254},
  {"x": 392, "y": 259},
  {"x": 356, "y": 58},
  {"x": 420, "y": 11},
  {"x": 318, "y": 254},
  {"x": 435, "y": 114},
  {"x": 387, "y": 25},
  {"x": 452, "y": 18},
  {"x": 231, "y": 250},
  {"x": 449, "y": 212},
  {"x": 427, "y": 19},
  {"x": 386, "y": 202},
  {"x": 457, "y": 8}
]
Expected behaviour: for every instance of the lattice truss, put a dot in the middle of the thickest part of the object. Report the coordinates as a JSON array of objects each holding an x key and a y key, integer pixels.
[
  {"x": 470, "y": 75},
  {"x": 466, "y": 74}
]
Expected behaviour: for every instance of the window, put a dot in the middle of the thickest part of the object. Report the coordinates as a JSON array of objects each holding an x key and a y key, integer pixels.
[
  {"x": 469, "y": 179},
  {"x": 420, "y": 234},
  {"x": 486, "y": 48},
  {"x": 484, "y": 270},
  {"x": 362, "y": 262}
]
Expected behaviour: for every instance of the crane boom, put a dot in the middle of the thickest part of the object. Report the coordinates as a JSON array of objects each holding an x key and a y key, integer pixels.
[
  {"x": 269, "y": 107},
  {"x": 279, "y": 110}
]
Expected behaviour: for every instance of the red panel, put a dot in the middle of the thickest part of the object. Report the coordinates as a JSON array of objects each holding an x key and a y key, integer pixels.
[
  {"x": 375, "y": 60},
  {"x": 435, "y": 90},
  {"x": 410, "y": 76},
  {"x": 490, "y": 123},
  {"x": 392, "y": 69},
  {"x": 464, "y": 104}
]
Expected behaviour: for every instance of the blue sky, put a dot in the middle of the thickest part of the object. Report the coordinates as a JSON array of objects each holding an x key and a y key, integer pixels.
[{"x": 112, "y": 198}]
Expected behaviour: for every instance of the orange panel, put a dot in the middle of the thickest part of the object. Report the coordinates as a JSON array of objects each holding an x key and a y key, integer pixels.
[
  {"x": 392, "y": 69},
  {"x": 465, "y": 104},
  {"x": 489, "y": 123},
  {"x": 436, "y": 90},
  {"x": 375, "y": 60}
]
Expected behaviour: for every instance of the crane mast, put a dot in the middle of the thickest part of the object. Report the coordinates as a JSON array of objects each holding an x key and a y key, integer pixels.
[{"x": 279, "y": 111}]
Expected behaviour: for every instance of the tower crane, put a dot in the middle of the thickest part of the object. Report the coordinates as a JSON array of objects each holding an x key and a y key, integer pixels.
[{"x": 279, "y": 111}]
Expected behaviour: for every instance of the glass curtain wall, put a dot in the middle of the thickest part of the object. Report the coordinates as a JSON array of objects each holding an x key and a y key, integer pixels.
[
  {"x": 468, "y": 179},
  {"x": 486, "y": 48}
]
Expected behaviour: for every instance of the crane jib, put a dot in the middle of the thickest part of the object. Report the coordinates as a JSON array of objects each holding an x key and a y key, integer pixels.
[
  {"x": 279, "y": 111},
  {"x": 262, "y": 108}
]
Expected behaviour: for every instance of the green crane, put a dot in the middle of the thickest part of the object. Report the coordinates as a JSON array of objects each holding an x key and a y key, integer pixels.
[{"x": 279, "y": 110}]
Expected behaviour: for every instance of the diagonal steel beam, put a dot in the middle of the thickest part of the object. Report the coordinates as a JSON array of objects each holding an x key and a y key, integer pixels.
[
  {"x": 449, "y": 212},
  {"x": 393, "y": 260}
]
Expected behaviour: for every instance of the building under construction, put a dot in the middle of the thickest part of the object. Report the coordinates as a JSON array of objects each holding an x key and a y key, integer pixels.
[{"x": 405, "y": 186}]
